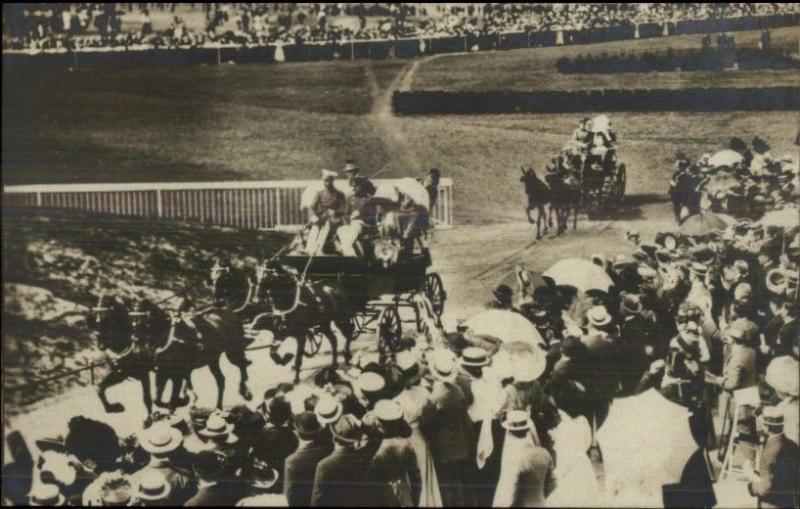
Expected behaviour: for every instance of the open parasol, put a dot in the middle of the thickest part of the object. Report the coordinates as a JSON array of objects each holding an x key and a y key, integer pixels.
[
  {"x": 313, "y": 188},
  {"x": 415, "y": 190},
  {"x": 520, "y": 344},
  {"x": 533, "y": 278},
  {"x": 725, "y": 158},
  {"x": 788, "y": 217},
  {"x": 703, "y": 224},
  {"x": 580, "y": 273},
  {"x": 646, "y": 442}
]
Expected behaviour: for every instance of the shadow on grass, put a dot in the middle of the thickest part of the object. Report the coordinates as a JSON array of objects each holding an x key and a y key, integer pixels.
[{"x": 631, "y": 208}]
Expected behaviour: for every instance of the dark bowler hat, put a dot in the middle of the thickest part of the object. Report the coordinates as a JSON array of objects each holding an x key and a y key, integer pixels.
[
  {"x": 474, "y": 356},
  {"x": 307, "y": 424},
  {"x": 503, "y": 293},
  {"x": 208, "y": 465},
  {"x": 772, "y": 416}
]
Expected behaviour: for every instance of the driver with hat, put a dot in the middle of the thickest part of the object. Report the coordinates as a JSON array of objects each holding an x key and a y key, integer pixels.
[
  {"x": 357, "y": 181},
  {"x": 326, "y": 208}
]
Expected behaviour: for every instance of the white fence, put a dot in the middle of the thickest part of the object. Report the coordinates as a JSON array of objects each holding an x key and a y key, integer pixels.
[{"x": 254, "y": 205}]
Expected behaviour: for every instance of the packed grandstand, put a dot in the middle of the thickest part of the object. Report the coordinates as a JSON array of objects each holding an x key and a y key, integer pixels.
[{"x": 62, "y": 27}]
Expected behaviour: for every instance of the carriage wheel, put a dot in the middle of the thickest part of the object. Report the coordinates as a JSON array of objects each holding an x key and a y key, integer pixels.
[
  {"x": 434, "y": 290},
  {"x": 313, "y": 342},
  {"x": 390, "y": 329}
]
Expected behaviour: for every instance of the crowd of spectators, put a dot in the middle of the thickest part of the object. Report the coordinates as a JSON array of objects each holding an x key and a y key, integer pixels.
[{"x": 75, "y": 26}]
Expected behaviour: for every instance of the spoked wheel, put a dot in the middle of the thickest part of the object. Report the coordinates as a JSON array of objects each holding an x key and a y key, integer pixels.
[
  {"x": 390, "y": 329},
  {"x": 434, "y": 290},
  {"x": 313, "y": 343}
]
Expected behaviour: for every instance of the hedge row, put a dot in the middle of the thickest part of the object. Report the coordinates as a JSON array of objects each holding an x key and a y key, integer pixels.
[{"x": 692, "y": 99}]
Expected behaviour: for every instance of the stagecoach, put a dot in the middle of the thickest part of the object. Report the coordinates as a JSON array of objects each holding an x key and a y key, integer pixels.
[{"x": 380, "y": 282}]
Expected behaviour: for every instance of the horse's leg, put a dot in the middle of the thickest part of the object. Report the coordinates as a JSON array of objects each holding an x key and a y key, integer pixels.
[
  {"x": 298, "y": 360},
  {"x": 111, "y": 379},
  {"x": 161, "y": 384},
  {"x": 347, "y": 328},
  {"x": 544, "y": 213},
  {"x": 575, "y": 217},
  {"x": 216, "y": 371},
  {"x": 528, "y": 213},
  {"x": 238, "y": 359},
  {"x": 147, "y": 397}
]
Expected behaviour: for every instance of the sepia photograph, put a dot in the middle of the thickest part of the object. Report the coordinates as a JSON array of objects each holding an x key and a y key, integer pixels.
[{"x": 401, "y": 254}]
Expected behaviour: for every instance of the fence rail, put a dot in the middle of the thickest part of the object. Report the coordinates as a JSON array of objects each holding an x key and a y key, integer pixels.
[{"x": 250, "y": 205}]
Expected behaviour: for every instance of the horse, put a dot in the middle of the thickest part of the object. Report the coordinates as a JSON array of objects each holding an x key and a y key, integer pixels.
[
  {"x": 566, "y": 199},
  {"x": 129, "y": 343},
  {"x": 200, "y": 340},
  {"x": 231, "y": 288},
  {"x": 539, "y": 198},
  {"x": 299, "y": 307}
]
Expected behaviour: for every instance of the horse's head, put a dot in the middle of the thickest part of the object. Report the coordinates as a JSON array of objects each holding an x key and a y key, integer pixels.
[
  {"x": 150, "y": 324},
  {"x": 180, "y": 331},
  {"x": 112, "y": 322},
  {"x": 274, "y": 285},
  {"x": 219, "y": 277}
]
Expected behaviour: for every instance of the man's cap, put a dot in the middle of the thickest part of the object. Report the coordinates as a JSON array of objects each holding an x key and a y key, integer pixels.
[
  {"x": 516, "y": 420},
  {"x": 153, "y": 485}
]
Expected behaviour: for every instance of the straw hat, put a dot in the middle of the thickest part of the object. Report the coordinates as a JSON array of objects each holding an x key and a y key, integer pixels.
[
  {"x": 443, "y": 365},
  {"x": 116, "y": 490},
  {"x": 153, "y": 486},
  {"x": 216, "y": 426},
  {"x": 370, "y": 383},
  {"x": 160, "y": 438},
  {"x": 598, "y": 316},
  {"x": 45, "y": 495},
  {"x": 264, "y": 476},
  {"x": 517, "y": 420},
  {"x": 772, "y": 416},
  {"x": 348, "y": 429},
  {"x": 782, "y": 375},
  {"x": 328, "y": 410},
  {"x": 474, "y": 356},
  {"x": 350, "y": 166},
  {"x": 328, "y": 174},
  {"x": 387, "y": 410}
]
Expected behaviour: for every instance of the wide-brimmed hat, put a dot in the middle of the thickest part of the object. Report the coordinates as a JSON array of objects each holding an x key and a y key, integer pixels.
[
  {"x": 208, "y": 465},
  {"x": 516, "y": 420},
  {"x": 699, "y": 269},
  {"x": 153, "y": 486},
  {"x": 216, "y": 426},
  {"x": 328, "y": 410},
  {"x": 350, "y": 166},
  {"x": 116, "y": 489},
  {"x": 443, "y": 365},
  {"x": 161, "y": 438},
  {"x": 264, "y": 476},
  {"x": 406, "y": 362},
  {"x": 45, "y": 495},
  {"x": 598, "y": 316},
  {"x": 782, "y": 375},
  {"x": 387, "y": 410},
  {"x": 474, "y": 356},
  {"x": 632, "y": 304},
  {"x": 370, "y": 383},
  {"x": 54, "y": 443},
  {"x": 348, "y": 429}
]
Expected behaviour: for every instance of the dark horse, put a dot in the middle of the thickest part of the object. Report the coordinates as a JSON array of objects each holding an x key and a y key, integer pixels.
[
  {"x": 129, "y": 338},
  {"x": 539, "y": 197},
  {"x": 200, "y": 340},
  {"x": 232, "y": 288},
  {"x": 300, "y": 309},
  {"x": 566, "y": 198}
]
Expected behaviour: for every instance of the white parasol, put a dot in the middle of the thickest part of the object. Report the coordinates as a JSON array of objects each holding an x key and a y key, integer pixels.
[
  {"x": 788, "y": 217},
  {"x": 387, "y": 191},
  {"x": 580, "y": 273},
  {"x": 522, "y": 347},
  {"x": 415, "y": 190},
  {"x": 600, "y": 123},
  {"x": 725, "y": 158},
  {"x": 313, "y": 188},
  {"x": 646, "y": 442}
]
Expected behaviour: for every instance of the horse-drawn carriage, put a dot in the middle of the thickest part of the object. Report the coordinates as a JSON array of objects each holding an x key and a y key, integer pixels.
[{"x": 603, "y": 187}]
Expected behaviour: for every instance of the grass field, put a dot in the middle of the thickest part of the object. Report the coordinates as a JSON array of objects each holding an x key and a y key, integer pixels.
[
  {"x": 535, "y": 69},
  {"x": 290, "y": 120}
]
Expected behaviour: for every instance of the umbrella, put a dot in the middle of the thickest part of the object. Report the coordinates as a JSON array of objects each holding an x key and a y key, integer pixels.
[
  {"x": 521, "y": 347},
  {"x": 703, "y": 224},
  {"x": 415, "y": 190},
  {"x": 788, "y": 217},
  {"x": 536, "y": 280},
  {"x": 580, "y": 273},
  {"x": 646, "y": 442},
  {"x": 725, "y": 158},
  {"x": 388, "y": 192},
  {"x": 313, "y": 188}
]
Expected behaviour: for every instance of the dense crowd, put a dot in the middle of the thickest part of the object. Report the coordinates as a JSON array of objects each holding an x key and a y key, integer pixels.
[
  {"x": 698, "y": 317},
  {"x": 74, "y": 26}
]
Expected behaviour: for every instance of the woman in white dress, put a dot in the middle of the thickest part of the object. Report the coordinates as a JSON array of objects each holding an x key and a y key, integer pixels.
[
  {"x": 573, "y": 468},
  {"x": 414, "y": 399}
]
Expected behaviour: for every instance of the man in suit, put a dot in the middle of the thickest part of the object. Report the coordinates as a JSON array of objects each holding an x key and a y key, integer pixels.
[
  {"x": 300, "y": 466},
  {"x": 279, "y": 441},
  {"x": 213, "y": 490},
  {"x": 526, "y": 475},
  {"x": 776, "y": 483},
  {"x": 739, "y": 371},
  {"x": 326, "y": 209},
  {"x": 395, "y": 472},
  {"x": 341, "y": 479}
]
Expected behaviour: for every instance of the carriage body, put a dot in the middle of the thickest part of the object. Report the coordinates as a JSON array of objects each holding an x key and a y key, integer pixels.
[
  {"x": 604, "y": 189},
  {"x": 378, "y": 292}
]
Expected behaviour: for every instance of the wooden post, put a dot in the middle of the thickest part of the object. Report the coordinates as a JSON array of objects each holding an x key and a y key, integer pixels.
[
  {"x": 38, "y": 199},
  {"x": 159, "y": 204}
]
